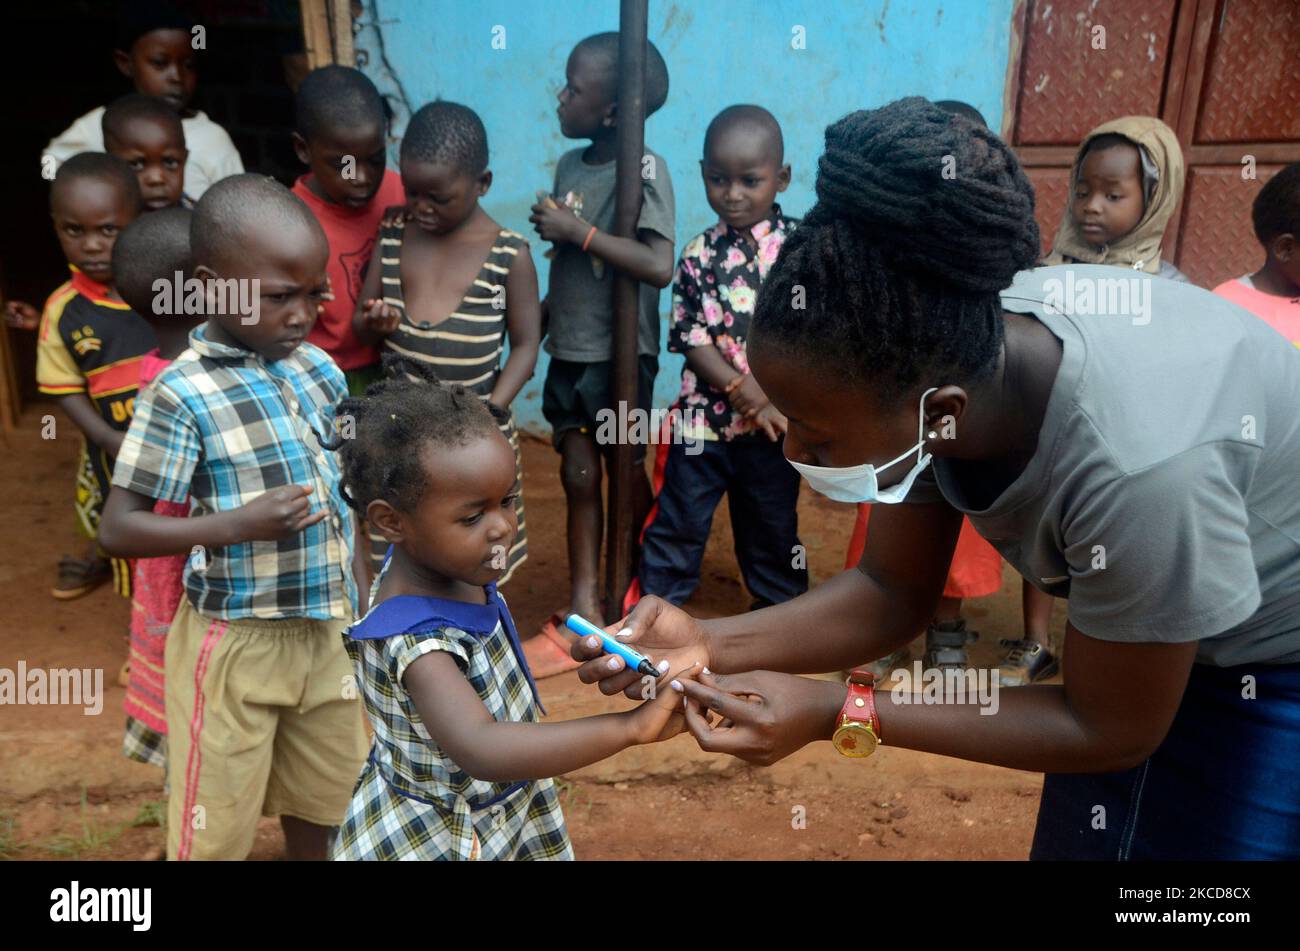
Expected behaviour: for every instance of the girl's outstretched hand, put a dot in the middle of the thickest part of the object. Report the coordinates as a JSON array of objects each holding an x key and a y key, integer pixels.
[{"x": 662, "y": 715}]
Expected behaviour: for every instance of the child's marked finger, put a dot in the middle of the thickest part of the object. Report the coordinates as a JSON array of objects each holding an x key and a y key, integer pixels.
[{"x": 728, "y": 705}]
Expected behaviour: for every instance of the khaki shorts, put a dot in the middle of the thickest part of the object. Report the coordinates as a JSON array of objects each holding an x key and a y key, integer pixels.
[{"x": 263, "y": 719}]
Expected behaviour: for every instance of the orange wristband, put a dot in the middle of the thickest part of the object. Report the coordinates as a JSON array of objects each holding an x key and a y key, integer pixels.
[
  {"x": 589, "y": 237},
  {"x": 734, "y": 384}
]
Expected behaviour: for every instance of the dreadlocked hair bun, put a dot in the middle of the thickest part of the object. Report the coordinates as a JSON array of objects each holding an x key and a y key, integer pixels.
[
  {"x": 921, "y": 218},
  {"x": 380, "y": 436}
]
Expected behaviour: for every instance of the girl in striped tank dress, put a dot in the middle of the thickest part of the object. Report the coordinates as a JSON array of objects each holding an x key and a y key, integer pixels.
[{"x": 449, "y": 285}]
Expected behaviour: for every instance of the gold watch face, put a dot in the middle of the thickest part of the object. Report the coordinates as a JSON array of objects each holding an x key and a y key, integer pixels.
[{"x": 855, "y": 739}]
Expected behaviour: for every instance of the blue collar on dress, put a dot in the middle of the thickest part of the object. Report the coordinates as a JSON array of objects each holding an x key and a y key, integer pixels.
[{"x": 418, "y": 614}]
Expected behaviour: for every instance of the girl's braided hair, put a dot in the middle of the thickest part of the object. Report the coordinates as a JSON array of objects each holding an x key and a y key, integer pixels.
[
  {"x": 921, "y": 218},
  {"x": 380, "y": 436}
]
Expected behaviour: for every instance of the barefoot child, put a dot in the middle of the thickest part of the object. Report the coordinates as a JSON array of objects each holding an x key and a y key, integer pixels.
[
  {"x": 341, "y": 138},
  {"x": 155, "y": 51},
  {"x": 147, "y": 134},
  {"x": 257, "y": 723},
  {"x": 153, "y": 248},
  {"x": 452, "y": 285},
  {"x": 732, "y": 433},
  {"x": 459, "y": 765},
  {"x": 90, "y": 345},
  {"x": 1273, "y": 292},
  {"x": 580, "y": 330}
]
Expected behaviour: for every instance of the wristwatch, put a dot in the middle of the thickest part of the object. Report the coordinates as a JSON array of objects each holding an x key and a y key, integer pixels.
[{"x": 858, "y": 732}]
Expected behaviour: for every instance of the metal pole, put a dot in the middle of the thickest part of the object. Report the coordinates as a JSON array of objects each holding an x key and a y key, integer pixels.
[{"x": 632, "y": 20}]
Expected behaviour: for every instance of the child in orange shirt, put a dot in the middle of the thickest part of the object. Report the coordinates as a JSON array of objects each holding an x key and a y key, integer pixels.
[{"x": 1273, "y": 292}]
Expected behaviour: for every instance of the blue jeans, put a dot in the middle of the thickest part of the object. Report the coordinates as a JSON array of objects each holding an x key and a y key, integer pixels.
[
  {"x": 762, "y": 489},
  {"x": 1224, "y": 784}
]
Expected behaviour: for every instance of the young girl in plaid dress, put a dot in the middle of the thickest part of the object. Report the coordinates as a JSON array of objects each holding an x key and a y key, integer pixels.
[{"x": 458, "y": 764}]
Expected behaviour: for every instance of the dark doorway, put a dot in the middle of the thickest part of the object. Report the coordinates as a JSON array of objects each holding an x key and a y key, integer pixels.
[{"x": 59, "y": 65}]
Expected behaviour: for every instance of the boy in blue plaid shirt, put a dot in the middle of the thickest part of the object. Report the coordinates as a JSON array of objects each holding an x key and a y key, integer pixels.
[{"x": 260, "y": 711}]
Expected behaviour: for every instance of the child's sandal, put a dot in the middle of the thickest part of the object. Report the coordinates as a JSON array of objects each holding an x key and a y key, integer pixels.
[{"x": 78, "y": 576}]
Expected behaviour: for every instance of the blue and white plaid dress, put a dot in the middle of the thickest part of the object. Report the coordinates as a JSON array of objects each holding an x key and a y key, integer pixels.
[{"x": 412, "y": 801}]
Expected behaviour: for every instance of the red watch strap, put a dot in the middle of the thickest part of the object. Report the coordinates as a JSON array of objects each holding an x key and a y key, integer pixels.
[{"x": 860, "y": 703}]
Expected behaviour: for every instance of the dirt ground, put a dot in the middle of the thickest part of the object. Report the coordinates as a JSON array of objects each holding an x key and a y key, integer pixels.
[{"x": 66, "y": 791}]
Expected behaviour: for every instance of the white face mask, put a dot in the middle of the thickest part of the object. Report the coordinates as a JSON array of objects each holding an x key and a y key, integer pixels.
[{"x": 858, "y": 483}]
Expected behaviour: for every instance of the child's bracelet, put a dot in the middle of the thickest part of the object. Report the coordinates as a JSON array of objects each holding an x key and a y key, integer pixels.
[
  {"x": 734, "y": 384},
  {"x": 587, "y": 241}
]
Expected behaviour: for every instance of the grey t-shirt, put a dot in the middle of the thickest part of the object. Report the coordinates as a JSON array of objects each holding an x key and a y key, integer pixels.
[
  {"x": 580, "y": 302},
  {"x": 1164, "y": 495}
]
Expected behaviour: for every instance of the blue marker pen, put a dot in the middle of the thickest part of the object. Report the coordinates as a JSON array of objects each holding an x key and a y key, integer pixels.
[{"x": 635, "y": 661}]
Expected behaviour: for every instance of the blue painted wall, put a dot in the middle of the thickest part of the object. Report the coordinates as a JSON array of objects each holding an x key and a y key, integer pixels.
[{"x": 859, "y": 54}]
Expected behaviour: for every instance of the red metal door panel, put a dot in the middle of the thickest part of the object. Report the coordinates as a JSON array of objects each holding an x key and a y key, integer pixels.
[
  {"x": 1218, "y": 240},
  {"x": 1252, "y": 83},
  {"x": 1224, "y": 73},
  {"x": 1067, "y": 87},
  {"x": 1051, "y": 191}
]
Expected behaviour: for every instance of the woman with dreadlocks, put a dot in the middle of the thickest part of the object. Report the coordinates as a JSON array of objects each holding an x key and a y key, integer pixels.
[{"x": 1117, "y": 455}]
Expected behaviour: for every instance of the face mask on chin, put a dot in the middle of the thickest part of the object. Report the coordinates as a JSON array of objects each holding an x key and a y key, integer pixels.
[{"x": 859, "y": 483}]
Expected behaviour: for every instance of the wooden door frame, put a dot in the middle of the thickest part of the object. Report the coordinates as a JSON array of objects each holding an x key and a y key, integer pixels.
[{"x": 327, "y": 32}]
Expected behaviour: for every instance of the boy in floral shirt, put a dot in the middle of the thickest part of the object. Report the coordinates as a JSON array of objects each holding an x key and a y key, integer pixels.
[{"x": 730, "y": 438}]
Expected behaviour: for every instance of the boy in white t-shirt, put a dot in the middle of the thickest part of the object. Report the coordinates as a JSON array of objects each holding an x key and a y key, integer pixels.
[{"x": 155, "y": 51}]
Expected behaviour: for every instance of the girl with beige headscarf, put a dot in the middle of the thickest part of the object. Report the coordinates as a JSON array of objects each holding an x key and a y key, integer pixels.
[{"x": 1125, "y": 185}]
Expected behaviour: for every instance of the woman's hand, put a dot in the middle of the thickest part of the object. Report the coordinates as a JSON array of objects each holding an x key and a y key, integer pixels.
[
  {"x": 766, "y": 716},
  {"x": 655, "y": 628}
]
